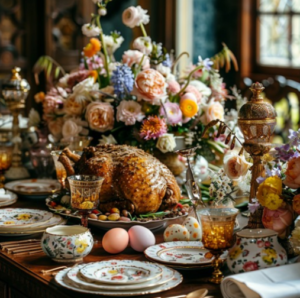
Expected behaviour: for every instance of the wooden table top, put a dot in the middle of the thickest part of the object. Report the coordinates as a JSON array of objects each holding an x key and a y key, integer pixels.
[{"x": 33, "y": 264}]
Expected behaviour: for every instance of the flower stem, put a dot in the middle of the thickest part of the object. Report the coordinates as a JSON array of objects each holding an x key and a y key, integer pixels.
[
  {"x": 104, "y": 48},
  {"x": 143, "y": 30}
]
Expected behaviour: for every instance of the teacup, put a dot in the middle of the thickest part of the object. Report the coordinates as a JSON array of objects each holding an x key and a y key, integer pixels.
[{"x": 67, "y": 243}]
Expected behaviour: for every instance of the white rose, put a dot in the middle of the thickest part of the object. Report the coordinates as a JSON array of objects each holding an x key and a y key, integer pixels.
[
  {"x": 166, "y": 143},
  {"x": 135, "y": 16},
  {"x": 71, "y": 128},
  {"x": 107, "y": 140},
  {"x": 90, "y": 30},
  {"x": 86, "y": 85},
  {"x": 235, "y": 166},
  {"x": 143, "y": 44},
  {"x": 201, "y": 87}
]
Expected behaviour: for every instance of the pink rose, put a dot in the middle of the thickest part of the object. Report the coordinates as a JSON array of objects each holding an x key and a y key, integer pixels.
[
  {"x": 278, "y": 220},
  {"x": 212, "y": 111},
  {"x": 292, "y": 173},
  {"x": 194, "y": 90},
  {"x": 71, "y": 128},
  {"x": 135, "y": 16},
  {"x": 174, "y": 114},
  {"x": 75, "y": 104},
  {"x": 132, "y": 57},
  {"x": 235, "y": 166},
  {"x": 150, "y": 86},
  {"x": 173, "y": 87},
  {"x": 129, "y": 111},
  {"x": 189, "y": 95},
  {"x": 250, "y": 266},
  {"x": 100, "y": 116}
]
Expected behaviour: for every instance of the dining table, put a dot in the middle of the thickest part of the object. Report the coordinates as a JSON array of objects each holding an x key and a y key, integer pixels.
[{"x": 22, "y": 276}]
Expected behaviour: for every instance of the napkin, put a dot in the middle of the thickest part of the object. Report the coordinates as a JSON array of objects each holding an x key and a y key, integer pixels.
[
  {"x": 275, "y": 282},
  {"x": 4, "y": 196}
]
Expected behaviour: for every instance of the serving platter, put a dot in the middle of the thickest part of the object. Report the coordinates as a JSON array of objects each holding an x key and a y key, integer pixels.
[
  {"x": 120, "y": 272},
  {"x": 62, "y": 279},
  {"x": 75, "y": 276},
  {"x": 33, "y": 188}
]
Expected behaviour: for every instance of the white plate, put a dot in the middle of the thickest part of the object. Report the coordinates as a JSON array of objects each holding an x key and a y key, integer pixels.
[
  {"x": 33, "y": 188},
  {"x": 191, "y": 253},
  {"x": 13, "y": 217},
  {"x": 62, "y": 279},
  {"x": 13, "y": 198},
  {"x": 120, "y": 272},
  {"x": 75, "y": 276},
  {"x": 54, "y": 220},
  {"x": 30, "y": 232}
]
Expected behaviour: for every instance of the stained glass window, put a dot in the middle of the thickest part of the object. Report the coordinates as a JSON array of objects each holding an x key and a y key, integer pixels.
[{"x": 279, "y": 32}]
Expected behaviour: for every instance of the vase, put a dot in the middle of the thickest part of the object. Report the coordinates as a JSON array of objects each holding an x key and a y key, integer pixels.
[
  {"x": 255, "y": 249},
  {"x": 40, "y": 156}
]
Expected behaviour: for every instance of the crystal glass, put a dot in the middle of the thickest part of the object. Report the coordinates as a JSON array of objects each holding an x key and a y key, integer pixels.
[
  {"x": 217, "y": 234},
  {"x": 76, "y": 143},
  {"x": 85, "y": 191}
]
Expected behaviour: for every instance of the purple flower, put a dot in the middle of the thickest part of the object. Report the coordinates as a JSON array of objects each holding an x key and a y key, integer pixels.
[
  {"x": 294, "y": 137},
  {"x": 122, "y": 79},
  {"x": 172, "y": 112},
  {"x": 285, "y": 152},
  {"x": 260, "y": 180},
  {"x": 252, "y": 207},
  {"x": 167, "y": 61},
  {"x": 207, "y": 63}
]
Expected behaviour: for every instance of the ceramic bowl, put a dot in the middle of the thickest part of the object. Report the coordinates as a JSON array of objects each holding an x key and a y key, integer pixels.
[{"x": 67, "y": 243}]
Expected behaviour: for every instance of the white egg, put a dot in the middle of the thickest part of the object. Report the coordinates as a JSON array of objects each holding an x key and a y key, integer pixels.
[
  {"x": 194, "y": 228},
  {"x": 176, "y": 232},
  {"x": 140, "y": 238}
]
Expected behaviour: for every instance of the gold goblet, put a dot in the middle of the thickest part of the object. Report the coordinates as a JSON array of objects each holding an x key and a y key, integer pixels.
[
  {"x": 85, "y": 191},
  {"x": 217, "y": 234},
  {"x": 5, "y": 163}
]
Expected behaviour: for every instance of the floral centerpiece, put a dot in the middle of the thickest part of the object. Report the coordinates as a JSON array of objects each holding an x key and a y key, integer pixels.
[{"x": 141, "y": 100}]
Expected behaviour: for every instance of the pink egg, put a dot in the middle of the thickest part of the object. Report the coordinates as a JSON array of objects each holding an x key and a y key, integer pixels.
[
  {"x": 115, "y": 240},
  {"x": 140, "y": 238}
]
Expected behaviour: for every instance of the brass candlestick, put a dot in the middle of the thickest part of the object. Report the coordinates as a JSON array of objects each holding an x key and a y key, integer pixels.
[
  {"x": 257, "y": 120},
  {"x": 15, "y": 92}
]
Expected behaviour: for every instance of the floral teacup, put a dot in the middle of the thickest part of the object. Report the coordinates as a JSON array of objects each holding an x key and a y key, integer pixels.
[
  {"x": 67, "y": 243},
  {"x": 255, "y": 249}
]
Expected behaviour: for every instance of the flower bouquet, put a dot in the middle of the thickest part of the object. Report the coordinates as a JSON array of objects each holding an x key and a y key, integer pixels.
[{"x": 141, "y": 100}]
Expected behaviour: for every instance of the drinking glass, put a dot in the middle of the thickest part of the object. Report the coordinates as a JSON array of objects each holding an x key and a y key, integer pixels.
[
  {"x": 217, "y": 234},
  {"x": 85, "y": 191}
]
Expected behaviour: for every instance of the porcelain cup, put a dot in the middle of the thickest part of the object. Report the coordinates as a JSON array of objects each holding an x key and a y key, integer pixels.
[
  {"x": 67, "y": 243},
  {"x": 255, "y": 249}
]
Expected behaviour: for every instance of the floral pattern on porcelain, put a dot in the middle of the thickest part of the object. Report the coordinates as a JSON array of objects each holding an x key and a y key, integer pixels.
[
  {"x": 67, "y": 248},
  {"x": 249, "y": 254}
]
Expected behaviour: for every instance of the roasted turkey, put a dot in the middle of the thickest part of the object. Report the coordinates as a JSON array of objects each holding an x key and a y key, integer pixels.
[{"x": 133, "y": 179}]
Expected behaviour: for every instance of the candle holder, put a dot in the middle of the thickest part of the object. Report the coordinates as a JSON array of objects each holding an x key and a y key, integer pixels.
[
  {"x": 85, "y": 191},
  {"x": 15, "y": 92},
  {"x": 217, "y": 235}
]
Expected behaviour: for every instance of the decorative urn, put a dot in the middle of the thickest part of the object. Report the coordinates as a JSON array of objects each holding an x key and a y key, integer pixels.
[{"x": 255, "y": 249}]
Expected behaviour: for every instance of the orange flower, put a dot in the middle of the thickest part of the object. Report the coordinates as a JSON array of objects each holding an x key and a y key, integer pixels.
[
  {"x": 296, "y": 203},
  {"x": 92, "y": 48},
  {"x": 93, "y": 74},
  {"x": 188, "y": 107},
  {"x": 39, "y": 97}
]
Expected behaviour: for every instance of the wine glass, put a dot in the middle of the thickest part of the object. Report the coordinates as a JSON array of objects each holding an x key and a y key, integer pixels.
[
  {"x": 85, "y": 191},
  {"x": 217, "y": 234}
]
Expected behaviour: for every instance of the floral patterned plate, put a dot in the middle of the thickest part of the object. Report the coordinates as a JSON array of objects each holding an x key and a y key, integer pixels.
[
  {"x": 75, "y": 276},
  {"x": 191, "y": 253},
  {"x": 62, "y": 279},
  {"x": 120, "y": 272},
  {"x": 33, "y": 188},
  {"x": 21, "y": 216}
]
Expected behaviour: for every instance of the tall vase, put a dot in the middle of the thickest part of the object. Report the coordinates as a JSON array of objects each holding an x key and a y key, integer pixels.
[{"x": 40, "y": 155}]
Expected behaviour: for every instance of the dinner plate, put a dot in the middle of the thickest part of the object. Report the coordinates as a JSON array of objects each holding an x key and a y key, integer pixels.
[
  {"x": 33, "y": 188},
  {"x": 54, "y": 220},
  {"x": 120, "y": 272},
  {"x": 62, "y": 279},
  {"x": 23, "y": 217},
  {"x": 75, "y": 276},
  {"x": 13, "y": 199}
]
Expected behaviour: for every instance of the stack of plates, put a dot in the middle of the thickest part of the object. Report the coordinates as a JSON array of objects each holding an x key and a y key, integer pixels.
[
  {"x": 7, "y": 198},
  {"x": 184, "y": 255},
  {"x": 119, "y": 278},
  {"x": 22, "y": 222}
]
